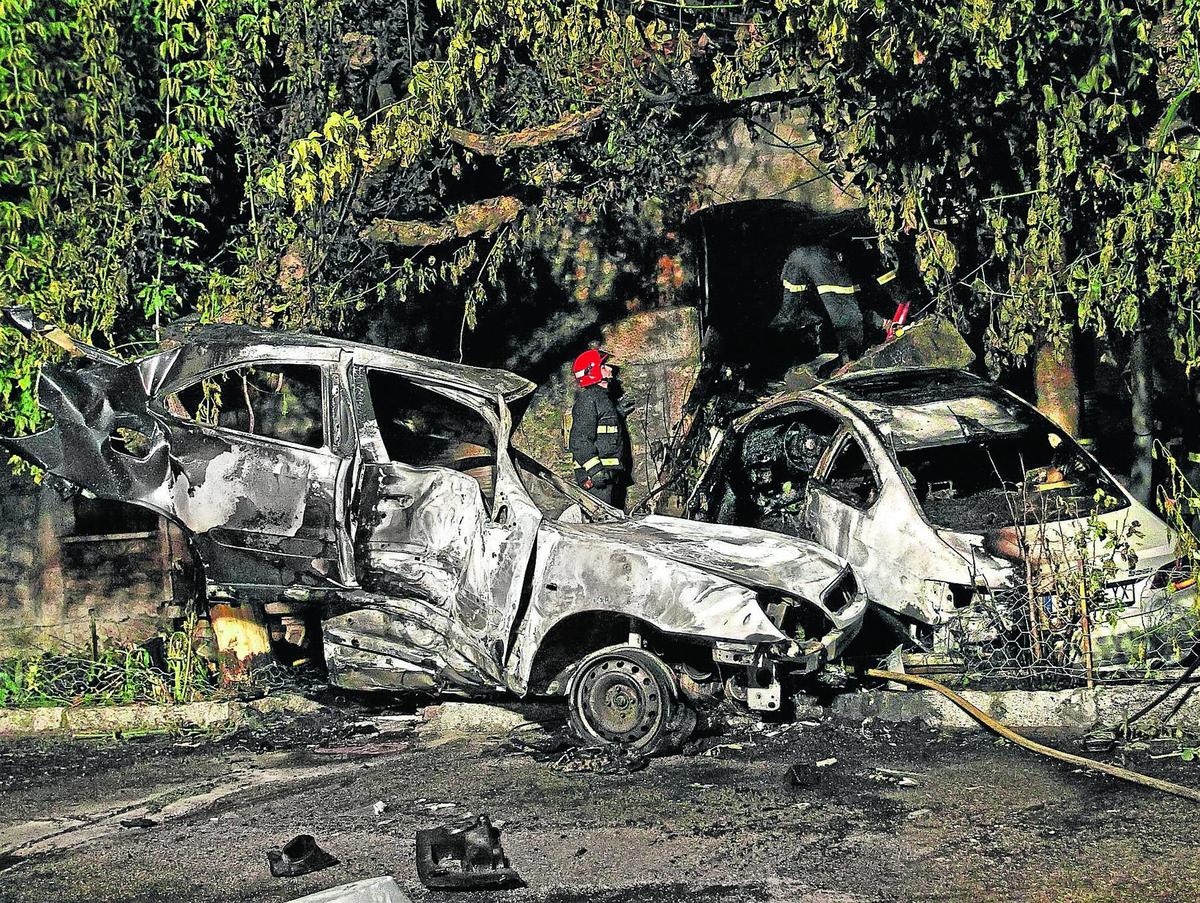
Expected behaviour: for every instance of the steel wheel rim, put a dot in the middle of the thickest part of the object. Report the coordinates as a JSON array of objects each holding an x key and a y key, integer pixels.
[{"x": 620, "y": 700}]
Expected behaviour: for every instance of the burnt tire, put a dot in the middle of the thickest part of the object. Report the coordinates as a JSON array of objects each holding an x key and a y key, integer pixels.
[{"x": 627, "y": 696}]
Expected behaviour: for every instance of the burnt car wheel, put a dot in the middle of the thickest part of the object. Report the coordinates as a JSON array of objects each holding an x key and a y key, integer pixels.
[{"x": 626, "y": 695}]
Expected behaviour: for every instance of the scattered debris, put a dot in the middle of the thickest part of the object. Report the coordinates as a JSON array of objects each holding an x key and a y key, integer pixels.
[
  {"x": 602, "y": 760},
  {"x": 899, "y": 778},
  {"x": 141, "y": 822},
  {"x": 299, "y": 856},
  {"x": 373, "y": 749},
  {"x": 1100, "y": 741},
  {"x": 561, "y": 752},
  {"x": 803, "y": 774},
  {"x": 714, "y": 752},
  {"x": 431, "y": 807},
  {"x": 825, "y": 763},
  {"x": 465, "y": 855},
  {"x": 806, "y": 710},
  {"x": 372, "y": 890}
]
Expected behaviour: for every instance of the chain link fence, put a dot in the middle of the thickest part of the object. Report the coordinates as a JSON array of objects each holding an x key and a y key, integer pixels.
[{"x": 1066, "y": 629}]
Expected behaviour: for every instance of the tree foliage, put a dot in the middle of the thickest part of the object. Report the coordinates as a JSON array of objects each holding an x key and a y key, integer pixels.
[
  {"x": 323, "y": 163},
  {"x": 1041, "y": 155},
  {"x": 110, "y": 114},
  {"x": 294, "y": 163}
]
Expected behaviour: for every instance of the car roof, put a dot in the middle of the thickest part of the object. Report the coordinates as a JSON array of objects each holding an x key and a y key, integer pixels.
[
  {"x": 905, "y": 386},
  {"x": 920, "y": 408},
  {"x": 481, "y": 380}
]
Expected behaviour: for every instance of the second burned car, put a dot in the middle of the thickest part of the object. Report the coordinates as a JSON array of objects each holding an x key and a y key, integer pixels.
[
  {"x": 969, "y": 517},
  {"x": 377, "y": 493}
]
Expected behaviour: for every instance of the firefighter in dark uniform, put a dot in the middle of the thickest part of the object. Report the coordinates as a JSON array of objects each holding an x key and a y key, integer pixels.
[
  {"x": 597, "y": 442},
  {"x": 815, "y": 269}
]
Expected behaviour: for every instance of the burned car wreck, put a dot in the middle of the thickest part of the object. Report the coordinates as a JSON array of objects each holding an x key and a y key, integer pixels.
[
  {"x": 375, "y": 493},
  {"x": 967, "y": 515}
]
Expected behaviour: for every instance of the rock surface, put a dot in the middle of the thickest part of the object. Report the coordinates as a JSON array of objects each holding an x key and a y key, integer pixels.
[{"x": 658, "y": 352}]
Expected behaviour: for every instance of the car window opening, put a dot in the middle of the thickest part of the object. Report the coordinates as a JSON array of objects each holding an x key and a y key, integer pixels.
[
  {"x": 1016, "y": 479},
  {"x": 423, "y": 429},
  {"x": 773, "y": 463},
  {"x": 278, "y": 402},
  {"x": 851, "y": 478},
  {"x": 550, "y": 500},
  {"x": 556, "y": 497}
]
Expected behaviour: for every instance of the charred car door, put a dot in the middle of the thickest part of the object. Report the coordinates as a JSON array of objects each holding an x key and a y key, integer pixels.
[
  {"x": 230, "y": 442},
  {"x": 858, "y": 507},
  {"x": 446, "y": 534},
  {"x": 254, "y": 478},
  {"x": 843, "y": 498}
]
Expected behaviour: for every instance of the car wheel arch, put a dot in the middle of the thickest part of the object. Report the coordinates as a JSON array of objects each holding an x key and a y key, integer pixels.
[{"x": 573, "y": 637}]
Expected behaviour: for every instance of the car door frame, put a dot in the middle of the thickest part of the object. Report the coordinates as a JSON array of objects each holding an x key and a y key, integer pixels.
[
  {"x": 834, "y": 522},
  {"x": 512, "y": 524},
  {"x": 324, "y": 573}
]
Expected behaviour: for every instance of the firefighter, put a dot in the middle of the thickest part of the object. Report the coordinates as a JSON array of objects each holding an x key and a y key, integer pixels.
[
  {"x": 815, "y": 268},
  {"x": 597, "y": 441}
]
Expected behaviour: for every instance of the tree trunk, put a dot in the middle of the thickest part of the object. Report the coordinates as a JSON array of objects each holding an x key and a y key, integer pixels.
[
  {"x": 481, "y": 217},
  {"x": 1141, "y": 383},
  {"x": 1056, "y": 386},
  {"x": 572, "y": 126}
]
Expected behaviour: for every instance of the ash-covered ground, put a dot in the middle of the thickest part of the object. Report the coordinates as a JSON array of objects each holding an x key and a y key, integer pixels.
[{"x": 816, "y": 811}]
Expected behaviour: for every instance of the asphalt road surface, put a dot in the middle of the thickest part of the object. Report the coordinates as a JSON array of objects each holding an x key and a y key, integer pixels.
[{"x": 811, "y": 812}]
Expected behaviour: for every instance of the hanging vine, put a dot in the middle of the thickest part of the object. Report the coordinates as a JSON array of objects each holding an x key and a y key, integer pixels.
[{"x": 324, "y": 164}]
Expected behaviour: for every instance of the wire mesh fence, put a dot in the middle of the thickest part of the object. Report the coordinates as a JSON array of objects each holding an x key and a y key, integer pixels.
[{"x": 1066, "y": 629}]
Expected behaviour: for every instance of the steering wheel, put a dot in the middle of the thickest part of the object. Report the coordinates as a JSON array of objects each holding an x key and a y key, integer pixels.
[{"x": 802, "y": 447}]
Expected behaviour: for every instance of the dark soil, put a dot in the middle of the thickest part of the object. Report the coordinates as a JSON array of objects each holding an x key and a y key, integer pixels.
[{"x": 758, "y": 813}]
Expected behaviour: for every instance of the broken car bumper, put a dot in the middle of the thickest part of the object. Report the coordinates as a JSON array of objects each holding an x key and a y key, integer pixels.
[{"x": 770, "y": 665}]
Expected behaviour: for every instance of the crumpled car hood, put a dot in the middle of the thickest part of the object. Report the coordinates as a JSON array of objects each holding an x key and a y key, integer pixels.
[{"x": 755, "y": 558}]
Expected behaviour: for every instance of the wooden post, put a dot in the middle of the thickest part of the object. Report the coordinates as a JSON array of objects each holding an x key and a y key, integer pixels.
[{"x": 1086, "y": 631}]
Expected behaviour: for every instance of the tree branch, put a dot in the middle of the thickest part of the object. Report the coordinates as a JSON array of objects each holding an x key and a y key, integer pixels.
[
  {"x": 471, "y": 219},
  {"x": 493, "y": 145}
]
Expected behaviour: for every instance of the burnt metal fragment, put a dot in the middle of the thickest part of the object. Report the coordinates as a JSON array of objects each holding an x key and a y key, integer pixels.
[
  {"x": 140, "y": 822},
  {"x": 803, "y": 774},
  {"x": 464, "y": 856},
  {"x": 299, "y": 856}
]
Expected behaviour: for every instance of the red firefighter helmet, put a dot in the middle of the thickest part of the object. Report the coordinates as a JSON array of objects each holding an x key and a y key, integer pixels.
[{"x": 587, "y": 366}]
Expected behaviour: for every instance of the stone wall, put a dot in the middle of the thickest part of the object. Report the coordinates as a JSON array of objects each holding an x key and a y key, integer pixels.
[
  {"x": 64, "y": 584},
  {"x": 19, "y": 518},
  {"x": 774, "y": 158},
  {"x": 658, "y": 353}
]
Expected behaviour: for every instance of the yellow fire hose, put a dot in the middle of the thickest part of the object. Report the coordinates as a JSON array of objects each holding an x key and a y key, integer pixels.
[{"x": 1008, "y": 734}]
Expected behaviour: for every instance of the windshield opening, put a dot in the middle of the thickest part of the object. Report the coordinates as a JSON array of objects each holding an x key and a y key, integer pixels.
[{"x": 1038, "y": 475}]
